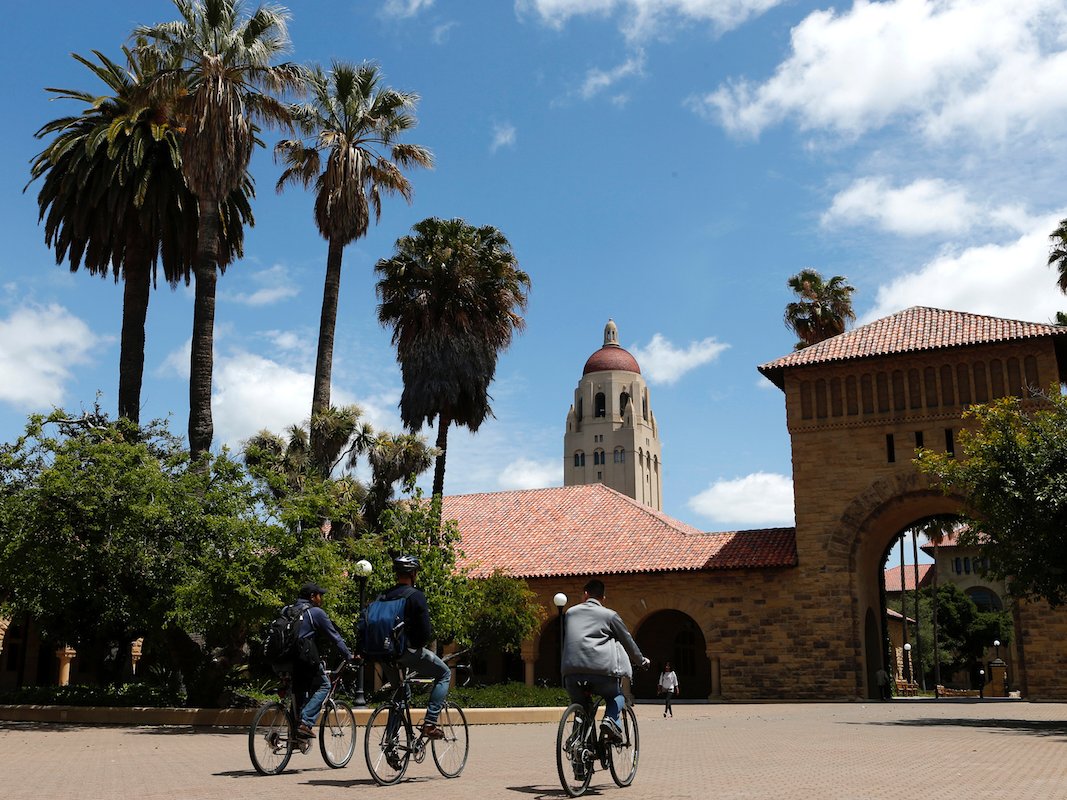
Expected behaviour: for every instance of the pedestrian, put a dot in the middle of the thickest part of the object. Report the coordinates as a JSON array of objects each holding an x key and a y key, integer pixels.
[
  {"x": 668, "y": 687},
  {"x": 882, "y": 677}
]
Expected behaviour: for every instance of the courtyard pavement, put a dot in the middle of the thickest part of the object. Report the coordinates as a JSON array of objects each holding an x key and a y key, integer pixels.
[{"x": 935, "y": 750}]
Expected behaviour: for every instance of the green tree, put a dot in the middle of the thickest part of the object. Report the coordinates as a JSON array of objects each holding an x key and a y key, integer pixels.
[
  {"x": 823, "y": 308},
  {"x": 222, "y": 80},
  {"x": 452, "y": 294},
  {"x": 964, "y": 631},
  {"x": 112, "y": 194},
  {"x": 1013, "y": 479},
  {"x": 503, "y": 612},
  {"x": 1058, "y": 254},
  {"x": 350, "y": 152}
]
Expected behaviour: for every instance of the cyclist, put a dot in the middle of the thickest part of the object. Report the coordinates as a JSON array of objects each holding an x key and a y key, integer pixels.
[
  {"x": 594, "y": 640},
  {"x": 310, "y": 683},
  {"x": 418, "y": 634}
]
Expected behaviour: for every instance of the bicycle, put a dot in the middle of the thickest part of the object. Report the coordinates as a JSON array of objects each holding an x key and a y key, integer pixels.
[
  {"x": 579, "y": 747},
  {"x": 390, "y": 742},
  {"x": 273, "y": 734}
]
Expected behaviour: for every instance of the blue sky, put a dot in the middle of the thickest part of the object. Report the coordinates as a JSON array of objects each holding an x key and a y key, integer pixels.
[{"x": 665, "y": 163}]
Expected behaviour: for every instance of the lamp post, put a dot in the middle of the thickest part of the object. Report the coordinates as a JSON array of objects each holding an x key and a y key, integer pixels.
[
  {"x": 907, "y": 659},
  {"x": 363, "y": 570},
  {"x": 981, "y": 684},
  {"x": 996, "y": 644},
  {"x": 560, "y": 600}
]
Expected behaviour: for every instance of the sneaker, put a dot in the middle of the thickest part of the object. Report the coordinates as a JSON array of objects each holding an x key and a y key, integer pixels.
[
  {"x": 610, "y": 729},
  {"x": 305, "y": 731},
  {"x": 430, "y": 730}
]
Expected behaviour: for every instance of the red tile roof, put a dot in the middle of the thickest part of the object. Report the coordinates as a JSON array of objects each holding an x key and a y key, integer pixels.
[
  {"x": 892, "y": 577},
  {"x": 915, "y": 329},
  {"x": 594, "y": 530}
]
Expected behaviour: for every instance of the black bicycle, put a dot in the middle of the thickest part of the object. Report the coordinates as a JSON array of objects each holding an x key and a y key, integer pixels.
[
  {"x": 273, "y": 735},
  {"x": 579, "y": 746},
  {"x": 391, "y": 741}
]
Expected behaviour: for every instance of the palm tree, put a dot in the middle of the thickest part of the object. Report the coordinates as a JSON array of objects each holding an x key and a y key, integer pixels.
[
  {"x": 936, "y": 530},
  {"x": 451, "y": 293},
  {"x": 221, "y": 77},
  {"x": 351, "y": 154},
  {"x": 393, "y": 458},
  {"x": 114, "y": 196},
  {"x": 1058, "y": 254},
  {"x": 823, "y": 308}
]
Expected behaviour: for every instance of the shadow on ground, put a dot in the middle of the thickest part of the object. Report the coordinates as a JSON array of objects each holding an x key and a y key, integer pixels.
[{"x": 1033, "y": 727}]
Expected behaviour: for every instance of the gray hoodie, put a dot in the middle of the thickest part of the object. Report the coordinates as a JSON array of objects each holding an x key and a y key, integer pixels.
[{"x": 596, "y": 642}]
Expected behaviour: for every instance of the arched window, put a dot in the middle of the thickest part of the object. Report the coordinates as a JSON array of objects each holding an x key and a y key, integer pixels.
[
  {"x": 580, "y": 404},
  {"x": 598, "y": 405},
  {"x": 579, "y": 458},
  {"x": 985, "y": 599},
  {"x": 620, "y": 455},
  {"x": 598, "y": 456},
  {"x": 644, "y": 404},
  {"x": 624, "y": 401}
]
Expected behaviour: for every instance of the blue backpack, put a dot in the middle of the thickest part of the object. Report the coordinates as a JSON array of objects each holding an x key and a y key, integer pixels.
[{"x": 381, "y": 627}]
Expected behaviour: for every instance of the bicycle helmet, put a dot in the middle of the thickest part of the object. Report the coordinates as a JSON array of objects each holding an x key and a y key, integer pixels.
[{"x": 405, "y": 564}]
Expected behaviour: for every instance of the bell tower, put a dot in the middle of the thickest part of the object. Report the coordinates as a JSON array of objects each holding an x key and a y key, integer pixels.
[{"x": 612, "y": 436}]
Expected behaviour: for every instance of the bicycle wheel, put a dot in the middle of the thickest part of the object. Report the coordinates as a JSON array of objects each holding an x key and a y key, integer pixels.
[
  {"x": 622, "y": 758},
  {"x": 337, "y": 733},
  {"x": 387, "y": 745},
  {"x": 450, "y": 753},
  {"x": 269, "y": 743},
  {"x": 574, "y": 753}
]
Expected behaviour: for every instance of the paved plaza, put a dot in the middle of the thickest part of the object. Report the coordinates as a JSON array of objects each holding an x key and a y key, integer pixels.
[{"x": 943, "y": 750}]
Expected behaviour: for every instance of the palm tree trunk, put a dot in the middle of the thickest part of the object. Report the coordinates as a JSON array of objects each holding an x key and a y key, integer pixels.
[
  {"x": 202, "y": 359},
  {"x": 443, "y": 423},
  {"x": 136, "y": 289},
  {"x": 320, "y": 399}
]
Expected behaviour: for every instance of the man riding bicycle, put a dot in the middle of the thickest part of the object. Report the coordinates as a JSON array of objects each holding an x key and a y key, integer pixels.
[
  {"x": 418, "y": 634},
  {"x": 593, "y": 644},
  {"x": 310, "y": 681}
]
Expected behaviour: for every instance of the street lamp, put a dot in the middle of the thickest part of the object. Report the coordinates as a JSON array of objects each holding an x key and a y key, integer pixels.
[
  {"x": 363, "y": 570},
  {"x": 996, "y": 644},
  {"x": 560, "y": 600},
  {"x": 907, "y": 660},
  {"x": 981, "y": 683}
]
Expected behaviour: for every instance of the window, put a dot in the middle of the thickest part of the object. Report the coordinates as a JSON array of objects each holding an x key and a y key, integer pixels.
[
  {"x": 868, "y": 394},
  {"x": 950, "y": 442},
  {"x": 918, "y": 439},
  {"x": 985, "y": 599},
  {"x": 890, "y": 449},
  {"x": 820, "y": 398},
  {"x": 624, "y": 401},
  {"x": 947, "y": 393},
  {"x": 958, "y": 566},
  {"x": 914, "y": 389},
  {"x": 620, "y": 455},
  {"x": 930, "y": 385},
  {"x": 600, "y": 476},
  {"x": 805, "y": 400},
  {"x": 579, "y": 458},
  {"x": 835, "y": 397},
  {"x": 966, "y": 566},
  {"x": 598, "y": 457},
  {"x": 579, "y": 409},
  {"x": 599, "y": 409},
  {"x": 981, "y": 388},
  {"x": 996, "y": 377},
  {"x": 852, "y": 404},
  {"x": 963, "y": 384}
]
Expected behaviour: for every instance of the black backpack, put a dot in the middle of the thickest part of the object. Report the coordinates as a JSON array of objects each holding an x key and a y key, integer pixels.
[
  {"x": 381, "y": 627},
  {"x": 281, "y": 645}
]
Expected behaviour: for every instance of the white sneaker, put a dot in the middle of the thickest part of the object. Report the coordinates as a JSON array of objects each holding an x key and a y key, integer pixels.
[{"x": 610, "y": 728}]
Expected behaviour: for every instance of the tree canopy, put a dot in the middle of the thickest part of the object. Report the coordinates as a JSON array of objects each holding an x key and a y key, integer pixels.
[{"x": 1013, "y": 479}]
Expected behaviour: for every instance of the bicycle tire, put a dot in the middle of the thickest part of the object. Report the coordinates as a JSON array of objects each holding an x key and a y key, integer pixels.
[
  {"x": 387, "y": 752},
  {"x": 270, "y": 743},
  {"x": 622, "y": 758},
  {"x": 574, "y": 758},
  {"x": 450, "y": 753},
  {"x": 337, "y": 733}
]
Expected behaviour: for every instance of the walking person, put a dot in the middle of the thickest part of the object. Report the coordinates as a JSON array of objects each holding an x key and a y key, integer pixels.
[{"x": 668, "y": 687}]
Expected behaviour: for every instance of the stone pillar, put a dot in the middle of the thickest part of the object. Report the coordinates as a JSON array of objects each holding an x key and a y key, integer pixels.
[
  {"x": 716, "y": 678},
  {"x": 998, "y": 679},
  {"x": 65, "y": 655},
  {"x": 529, "y": 661}
]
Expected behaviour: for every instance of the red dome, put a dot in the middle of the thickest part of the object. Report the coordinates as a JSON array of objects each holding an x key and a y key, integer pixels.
[{"x": 611, "y": 357}]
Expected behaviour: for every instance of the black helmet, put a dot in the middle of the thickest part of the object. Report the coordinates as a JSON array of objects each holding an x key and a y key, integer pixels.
[{"x": 403, "y": 565}]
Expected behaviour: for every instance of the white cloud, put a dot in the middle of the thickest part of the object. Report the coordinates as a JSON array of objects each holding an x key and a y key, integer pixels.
[
  {"x": 597, "y": 80},
  {"x": 1010, "y": 280},
  {"x": 39, "y": 346},
  {"x": 986, "y": 67},
  {"x": 662, "y": 362},
  {"x": 641, "y": 19},
  {"x": 274, "y": 285},
  {"x": 442, "y": 32},
  {"x": 526, "y": 473},
  {"x": 404, "y": 9},
  {"x": 503, "y": 136},
  {"x": 922, "y": 207},
  {"x": 759, "y": 499}
]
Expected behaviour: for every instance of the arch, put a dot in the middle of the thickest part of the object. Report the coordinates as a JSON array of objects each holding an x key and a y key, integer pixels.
[
  {"x": 624, "y": 401},
  {"x": 985, "y": 598},
  {"x": 673, "y": 635},
  {"x": 547, "y": 647},
  {"x": 872, "y": 640},
  {"x": 599, "y": 405}
]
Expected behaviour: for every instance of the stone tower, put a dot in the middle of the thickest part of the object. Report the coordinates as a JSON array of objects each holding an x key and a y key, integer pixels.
[{"x": 612, "y": 436}]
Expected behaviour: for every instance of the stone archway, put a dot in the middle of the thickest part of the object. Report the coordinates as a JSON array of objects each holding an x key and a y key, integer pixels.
[{"x": 671, "y": 635}]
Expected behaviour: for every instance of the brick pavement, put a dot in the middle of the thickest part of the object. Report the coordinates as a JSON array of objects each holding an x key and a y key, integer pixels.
[{"x": 944, "y": 750}]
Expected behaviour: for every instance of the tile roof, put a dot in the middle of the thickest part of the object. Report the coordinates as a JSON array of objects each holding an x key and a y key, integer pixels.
[
  {"x": 892, "y": 577},
  {"x": 595, "y": 530},
  {"x": 913, "y": 330}
]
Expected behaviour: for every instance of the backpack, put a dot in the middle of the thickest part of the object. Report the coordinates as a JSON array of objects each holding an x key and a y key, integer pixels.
[
  {"x": 281, "y": 645},
  {"x": 381, "y": 627}
]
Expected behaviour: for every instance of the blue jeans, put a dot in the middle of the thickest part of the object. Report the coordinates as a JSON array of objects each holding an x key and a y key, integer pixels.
[
  {"x": 317, "y": 687},
  {"x": 426, "y": 664},
  {"x": 607, "y": 686}
]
